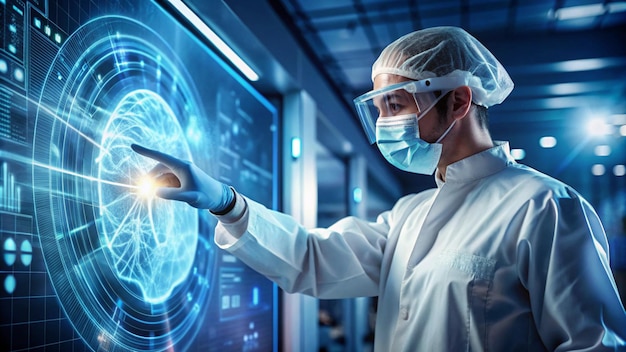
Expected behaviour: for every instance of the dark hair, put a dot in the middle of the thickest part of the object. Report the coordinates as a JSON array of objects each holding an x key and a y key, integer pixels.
[{"x": 481, "y": 111}]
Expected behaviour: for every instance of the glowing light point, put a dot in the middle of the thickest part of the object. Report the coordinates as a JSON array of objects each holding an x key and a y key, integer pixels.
[
  {"x": 27, "y": 253},
  {"x": 9, "y": 251},
  {"x": 598, "y": 127},
  {"x": 19, "y": 74},
  {"x": 357, "y": 195},
  {"x": 9, "y": 284},
  {"x": 146, "y": 187}
]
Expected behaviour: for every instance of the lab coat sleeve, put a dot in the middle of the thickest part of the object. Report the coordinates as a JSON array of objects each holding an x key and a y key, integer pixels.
[
  {"x": 341, "y": 261},
  {"x": 564, "y": 264}
]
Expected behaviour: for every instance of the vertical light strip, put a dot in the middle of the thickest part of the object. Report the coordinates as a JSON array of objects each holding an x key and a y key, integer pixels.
[{"x": 199, "y": 24}]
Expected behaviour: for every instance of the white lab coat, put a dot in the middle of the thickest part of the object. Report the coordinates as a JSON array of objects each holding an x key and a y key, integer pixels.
[{"x": 498, "y": 258}]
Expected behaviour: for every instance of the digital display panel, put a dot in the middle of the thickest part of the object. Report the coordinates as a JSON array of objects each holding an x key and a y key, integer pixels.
[{"x": 89, "y": 259}]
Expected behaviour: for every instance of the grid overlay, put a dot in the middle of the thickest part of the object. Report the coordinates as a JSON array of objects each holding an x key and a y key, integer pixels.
[{"x": 31, "y": 317}]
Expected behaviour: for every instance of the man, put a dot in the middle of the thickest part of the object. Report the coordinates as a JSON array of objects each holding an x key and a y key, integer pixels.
[{"x": 498, "y": 257}]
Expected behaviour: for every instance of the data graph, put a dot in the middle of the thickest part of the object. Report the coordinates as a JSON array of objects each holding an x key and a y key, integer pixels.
[{"x": 10, "y": 191}]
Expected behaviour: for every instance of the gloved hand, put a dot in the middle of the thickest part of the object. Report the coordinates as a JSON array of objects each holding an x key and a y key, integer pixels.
[{"x": 184, "y": 181}]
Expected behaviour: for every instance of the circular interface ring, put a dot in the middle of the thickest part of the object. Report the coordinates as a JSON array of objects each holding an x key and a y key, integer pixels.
[{"x": 131, "y": 270}]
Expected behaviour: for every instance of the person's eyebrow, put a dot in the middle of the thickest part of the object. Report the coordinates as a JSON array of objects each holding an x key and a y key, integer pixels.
[{"x": 385, "y": 98}]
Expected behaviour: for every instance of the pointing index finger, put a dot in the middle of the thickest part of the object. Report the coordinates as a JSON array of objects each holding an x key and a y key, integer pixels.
[{"x": 163, "y": 158}]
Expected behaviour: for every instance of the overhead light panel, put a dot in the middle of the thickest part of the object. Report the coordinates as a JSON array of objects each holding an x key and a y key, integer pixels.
[
  {"x": 602, "y": 150},
  {"x": 547, "y": 142},
  {"x": 598, "y": 170},
  {"x": 576, "y": 12},
  {"x": 201, "y": 26},
  {"x": 518, "y": 153},
  {"x": 615, "y": 7},
  {"x": 618, "y": 119},
  {"x": 581, "y": 65},
  {"x": 619, "y": 170},
  {"x": 585, "y": 11}
]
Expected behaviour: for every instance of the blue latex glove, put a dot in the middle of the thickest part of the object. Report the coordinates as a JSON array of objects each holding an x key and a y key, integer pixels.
[{"x": 182, "y": 180}]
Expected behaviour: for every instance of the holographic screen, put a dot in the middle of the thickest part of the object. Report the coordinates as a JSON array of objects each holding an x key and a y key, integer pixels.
[
  {"x": 128, "y": 270},
  {"x": 111, "y": 84}
]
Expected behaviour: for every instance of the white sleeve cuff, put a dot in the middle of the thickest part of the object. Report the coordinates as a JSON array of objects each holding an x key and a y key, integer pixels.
[{"x": 233, "y": 224}]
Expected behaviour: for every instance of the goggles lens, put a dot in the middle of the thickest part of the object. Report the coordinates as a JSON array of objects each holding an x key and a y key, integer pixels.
[
  {"x": 388, "y": 102},
  {"x": 400, "y": 99}
]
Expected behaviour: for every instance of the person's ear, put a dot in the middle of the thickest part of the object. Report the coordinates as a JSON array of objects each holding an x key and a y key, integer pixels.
[{"x": 460, "y": 102}]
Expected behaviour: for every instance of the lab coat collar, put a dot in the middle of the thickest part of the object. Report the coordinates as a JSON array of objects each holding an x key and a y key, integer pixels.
[{"x": 478, "y": 165}]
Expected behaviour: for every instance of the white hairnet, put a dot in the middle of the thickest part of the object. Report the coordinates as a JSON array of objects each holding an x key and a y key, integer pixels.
[{"x": 447, "y": 51}]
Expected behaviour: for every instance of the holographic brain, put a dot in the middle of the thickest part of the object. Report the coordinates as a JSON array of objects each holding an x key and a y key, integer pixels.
[{"x": 151, "y": 242}]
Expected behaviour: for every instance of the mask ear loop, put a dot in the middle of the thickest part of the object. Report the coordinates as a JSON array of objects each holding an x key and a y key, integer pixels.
[
  {"x": 422, "y": 113},
  {"x": 446, "y": 132}
]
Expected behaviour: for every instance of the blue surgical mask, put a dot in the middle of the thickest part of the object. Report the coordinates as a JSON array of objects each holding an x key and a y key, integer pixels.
[{"x": 399, "y": 141}]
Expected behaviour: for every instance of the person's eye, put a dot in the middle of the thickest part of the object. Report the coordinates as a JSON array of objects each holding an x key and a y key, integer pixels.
[{"x": 394, "y": 108}]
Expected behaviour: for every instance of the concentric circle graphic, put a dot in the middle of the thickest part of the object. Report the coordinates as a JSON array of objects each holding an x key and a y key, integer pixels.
[{"x": 131, "y": 270}]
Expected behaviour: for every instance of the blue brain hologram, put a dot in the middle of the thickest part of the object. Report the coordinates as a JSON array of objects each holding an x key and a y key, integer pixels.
[
  {"x": 151, "y": 241},
  {"x": 131, "y": 270}
]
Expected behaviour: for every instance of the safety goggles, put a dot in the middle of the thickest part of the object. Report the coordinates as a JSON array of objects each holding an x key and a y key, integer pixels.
[{"x": 400, "y": 99}]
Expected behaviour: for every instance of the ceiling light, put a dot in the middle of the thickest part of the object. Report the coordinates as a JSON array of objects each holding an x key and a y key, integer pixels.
[
  {"x": 547, "y": 142},
  {"x": 585, "y": 11},
  {"x": 518, "y": 154},
  {"x": 598, "y": 170},
  {"x": 567, "y": 88},
  {"x": 616, "y": 7},
  {"x": 618, "y": 119},
  {"x": 581, "y": 65},
  {"x": 576, "y": 12},
  {"x": 619, "y": 170},
  {"x": 602, "y": 150},
  {"x": 597, "y": 127},
  {"x": 201, "y": 26},
  {"x": 622, "y": 130}
]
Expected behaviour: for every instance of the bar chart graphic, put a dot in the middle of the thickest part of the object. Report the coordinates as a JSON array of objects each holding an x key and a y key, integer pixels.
[{"x": 10, "y": 191}]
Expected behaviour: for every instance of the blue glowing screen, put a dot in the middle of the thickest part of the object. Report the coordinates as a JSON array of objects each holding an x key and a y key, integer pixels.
[{"x": 90, "y": 259}]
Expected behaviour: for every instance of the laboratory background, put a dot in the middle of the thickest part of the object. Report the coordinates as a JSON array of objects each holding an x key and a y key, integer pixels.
[{"x": 258, "y": 94}]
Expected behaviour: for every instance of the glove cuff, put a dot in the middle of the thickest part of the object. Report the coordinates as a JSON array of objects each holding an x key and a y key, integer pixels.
[{"x": 229, "y": 206}]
